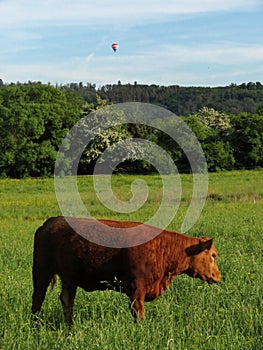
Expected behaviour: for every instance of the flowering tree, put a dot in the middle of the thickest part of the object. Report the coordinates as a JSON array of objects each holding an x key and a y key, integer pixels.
[{"x": 213, "y": 119}]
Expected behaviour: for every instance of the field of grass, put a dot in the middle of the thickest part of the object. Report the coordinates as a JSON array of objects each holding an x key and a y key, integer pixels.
[{"x": 190, "y": 315}]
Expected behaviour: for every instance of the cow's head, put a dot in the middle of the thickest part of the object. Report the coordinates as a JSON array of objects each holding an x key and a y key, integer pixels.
[{"x": 203, "y": 261}]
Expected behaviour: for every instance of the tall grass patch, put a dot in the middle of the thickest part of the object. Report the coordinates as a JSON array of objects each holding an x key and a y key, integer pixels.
[{"x": 190, "y": 315}]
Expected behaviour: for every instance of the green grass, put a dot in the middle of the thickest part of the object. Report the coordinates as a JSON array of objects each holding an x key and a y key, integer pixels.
[{"x": 190, "y": 315}]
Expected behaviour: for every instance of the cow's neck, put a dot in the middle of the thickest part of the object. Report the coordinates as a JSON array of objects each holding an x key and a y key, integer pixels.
[{"x": 177, "y": 258}]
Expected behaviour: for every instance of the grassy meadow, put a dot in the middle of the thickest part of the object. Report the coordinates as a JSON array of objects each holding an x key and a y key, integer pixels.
[{"x": 190, "y": 315}]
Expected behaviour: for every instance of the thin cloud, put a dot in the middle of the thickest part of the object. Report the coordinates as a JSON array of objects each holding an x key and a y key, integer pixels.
[
  {"x": 229, "y": 53},
  {"x": 30, "y": 13}
]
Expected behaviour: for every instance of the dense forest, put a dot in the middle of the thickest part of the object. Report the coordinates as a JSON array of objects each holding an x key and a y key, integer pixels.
[
  {"x": 182, "y": 101},
  {"x": 35, "y": 117}
]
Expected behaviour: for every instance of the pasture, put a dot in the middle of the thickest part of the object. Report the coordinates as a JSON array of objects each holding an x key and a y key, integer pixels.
[{"x": 190, "y": 315}]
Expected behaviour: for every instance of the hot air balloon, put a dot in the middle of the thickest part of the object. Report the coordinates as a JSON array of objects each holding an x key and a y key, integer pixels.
[{"x": 114, "y": 47}]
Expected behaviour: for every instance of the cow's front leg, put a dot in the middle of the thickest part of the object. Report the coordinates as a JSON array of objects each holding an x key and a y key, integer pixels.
[
  {"x": 67, "y": 297},
  {"x": 137, "y": 297},
  {"x": 137, "y": 309}
]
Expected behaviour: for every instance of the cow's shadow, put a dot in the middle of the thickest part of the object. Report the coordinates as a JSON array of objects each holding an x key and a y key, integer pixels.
[{"x": 52, "y": 319}]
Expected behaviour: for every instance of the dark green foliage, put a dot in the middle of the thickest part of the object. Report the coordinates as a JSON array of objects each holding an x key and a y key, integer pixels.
[
  {"x": 34, "y": 119},
  {"x": 247, "y": 140}
]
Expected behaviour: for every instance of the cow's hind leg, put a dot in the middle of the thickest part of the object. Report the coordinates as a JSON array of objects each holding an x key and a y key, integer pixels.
[
  {"x": 40, "y": 284},
  {"x": 67, "y": 297}
]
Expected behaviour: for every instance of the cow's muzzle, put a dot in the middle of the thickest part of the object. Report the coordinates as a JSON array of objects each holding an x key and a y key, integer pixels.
[{"x": 211, "y": 280}]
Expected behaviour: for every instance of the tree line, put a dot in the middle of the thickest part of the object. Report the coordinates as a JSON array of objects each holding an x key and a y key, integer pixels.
[
  {"x": 183, "y": 101},
  {"x": 35, "y": 117}
]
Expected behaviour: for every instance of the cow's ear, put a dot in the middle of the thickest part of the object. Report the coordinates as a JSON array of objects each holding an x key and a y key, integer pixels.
[{"x": 206, "y": 244}]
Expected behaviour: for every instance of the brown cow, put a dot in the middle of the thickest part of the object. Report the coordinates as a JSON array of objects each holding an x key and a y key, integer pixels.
[{"x": 143, "y": 271}]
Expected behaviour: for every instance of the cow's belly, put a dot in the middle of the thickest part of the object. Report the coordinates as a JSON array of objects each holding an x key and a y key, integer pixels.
[
  {"x": 91, "y": 281},
  {"x": 156, "y": 289}
]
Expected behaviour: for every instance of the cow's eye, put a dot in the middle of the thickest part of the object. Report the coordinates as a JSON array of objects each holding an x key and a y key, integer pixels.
[{"x": 213, "y": 256}]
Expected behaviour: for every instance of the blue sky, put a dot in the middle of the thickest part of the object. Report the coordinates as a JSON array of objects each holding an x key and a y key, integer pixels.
[{"x": 184, "y": 42}]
